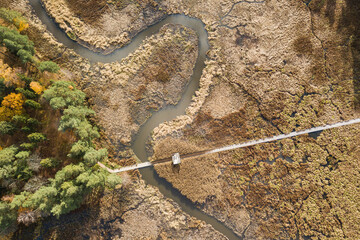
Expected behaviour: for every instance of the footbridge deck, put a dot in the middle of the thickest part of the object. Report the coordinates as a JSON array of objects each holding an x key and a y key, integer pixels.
[{"x": 176, "y": 157}]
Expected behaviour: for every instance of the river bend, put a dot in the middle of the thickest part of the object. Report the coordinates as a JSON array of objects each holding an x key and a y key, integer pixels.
[{"x": 165, "y": 114}]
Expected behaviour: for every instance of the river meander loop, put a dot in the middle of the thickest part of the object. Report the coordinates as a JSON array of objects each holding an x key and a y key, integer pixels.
[{"x": 165, "y": 114}]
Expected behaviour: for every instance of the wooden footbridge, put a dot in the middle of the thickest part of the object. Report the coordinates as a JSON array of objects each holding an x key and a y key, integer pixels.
[{"x": 177, "y": 160}]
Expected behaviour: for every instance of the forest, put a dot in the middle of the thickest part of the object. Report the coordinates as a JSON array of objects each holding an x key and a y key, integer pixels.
[{"x": 48, "y": 149}]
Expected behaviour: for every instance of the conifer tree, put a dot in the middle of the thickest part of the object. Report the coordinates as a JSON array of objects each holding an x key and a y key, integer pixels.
[
  {"x": 49, "y": 66},
  {"x": 32, "y": 104},
  {"x": 6, "y": 128},
  {"x": 63, "y": 94},
  {"x": 36, "y": 137},
  {"x": 93, "y": 156},
  {"x": 7, "y": 216},
  {"x": 17, "y": 44},
  {"x": 7, "y": 158}
]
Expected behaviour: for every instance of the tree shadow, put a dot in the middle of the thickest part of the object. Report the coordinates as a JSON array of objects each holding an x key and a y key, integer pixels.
[
  {"x": 348, "y": 28},
  {"x": 328, "y": 6},
  {"x": 350, "y": 25},
  {"x": 330, "y": 11},
  {"x": 67, "y": 226}
]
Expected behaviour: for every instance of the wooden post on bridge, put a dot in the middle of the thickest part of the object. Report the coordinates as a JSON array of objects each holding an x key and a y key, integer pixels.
[{"x": 176, "y": 159}]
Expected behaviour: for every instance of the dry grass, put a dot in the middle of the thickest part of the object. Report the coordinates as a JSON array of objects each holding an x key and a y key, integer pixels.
[
  {"x": 168, "y": 146},
  {"x": 303, "y": 45},
  {"x": 197, "y": 178},
  {"x": 121, "y": 4},
  {"x": 220, "y": 131},
  {"x": 5, "y": 3},
  {"x": 163, "y": 64},
  {"x": 89, "y": 11}
]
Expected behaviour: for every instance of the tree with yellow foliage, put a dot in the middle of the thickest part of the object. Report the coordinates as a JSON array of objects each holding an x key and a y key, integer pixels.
[
  {"x": 20, "y": 23},
  {"x": 11, "y": 105},
  {"x": 15, "y": 18},
  {"x": 10, "y": 75},
  {"x": 36, "y": 87},
  {"x": 13, "y": 101}
]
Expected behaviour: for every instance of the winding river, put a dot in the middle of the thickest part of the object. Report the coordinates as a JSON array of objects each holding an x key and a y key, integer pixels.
[{"x": 167, "y": 113}]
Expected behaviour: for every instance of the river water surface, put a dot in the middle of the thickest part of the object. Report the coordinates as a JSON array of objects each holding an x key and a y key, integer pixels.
[{"x": 165, "y": 114}]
